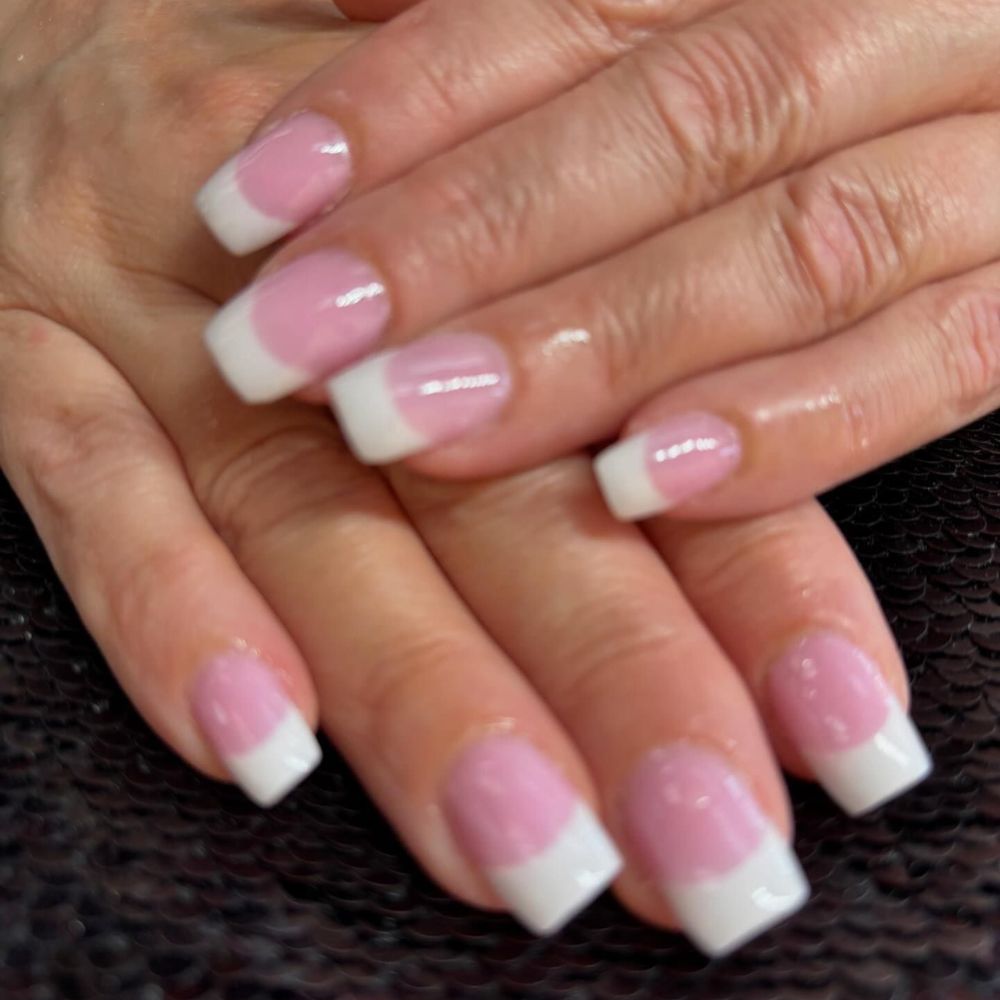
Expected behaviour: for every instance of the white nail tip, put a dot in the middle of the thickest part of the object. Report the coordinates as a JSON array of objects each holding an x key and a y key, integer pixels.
[
  {"x": 238, "y": 225},
  {"x": 883, "y": 767},
  {"x": 623, "y": 476},
  {"x": 251, "y": 371},
  {"x": 548, "y": 890},
  {"x": 375, "y": 429},
  {"x": 721, "y": 914},
  {"x": 270, "y": 770}
]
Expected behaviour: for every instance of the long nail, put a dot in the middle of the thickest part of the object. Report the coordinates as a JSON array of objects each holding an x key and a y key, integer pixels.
[
  {"x": 518, "y": 819},
  {"x": 835, "y": 704},
  {"x": 407, "y": 400},
  {"x": 722, "y": 867},
  {"x": 298, "y": 325},
  {"x": 282, "y": 180},
  {"x": 654, "y": 471},
  {"x": 255, "y": 729}
]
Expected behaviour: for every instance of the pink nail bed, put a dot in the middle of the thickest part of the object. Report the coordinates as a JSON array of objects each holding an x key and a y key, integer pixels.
[
  {"x": 426, "y": 393},
  {"x": 518, "y": 819},
  {"x": 700, "y": 834},
  {"x": 668, "y": 464},
  {"x": 834, "y": 703},
  {"x": 256, "y": 730},
  {"x": 298, "y": 324},
  {"x": 288, "y": 175}
]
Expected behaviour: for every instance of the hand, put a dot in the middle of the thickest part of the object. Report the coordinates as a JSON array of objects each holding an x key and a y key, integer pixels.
[
  {"x": 501, "y": 663},
  {"x": 789, "y": 208}
]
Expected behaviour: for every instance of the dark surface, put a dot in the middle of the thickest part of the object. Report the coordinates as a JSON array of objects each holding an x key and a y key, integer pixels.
[{"x": 123, "y": 874}]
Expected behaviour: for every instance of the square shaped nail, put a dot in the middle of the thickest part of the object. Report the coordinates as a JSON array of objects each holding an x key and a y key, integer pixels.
[
  {"x": 723, "y": 868},
  {"x": 289, "y": 174},
  {"x": 254, "y": 727},
  {"x": 834, "y": 703},
  {"x": 537, "y": 842}
]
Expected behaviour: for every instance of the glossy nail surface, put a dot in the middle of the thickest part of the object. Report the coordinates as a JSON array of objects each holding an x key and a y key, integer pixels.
[
  {"x": 725, "y": 871},
  {"x": 431, "y": 391},
  {"x": 654, "y": 471},
  {"x": 835, "y": 704},
  {"x": 255, "y": 729},
  {"x": 518, "y": 819},
  {"x": 298, "y": 325},
  {"x": 277, "y": 183}
]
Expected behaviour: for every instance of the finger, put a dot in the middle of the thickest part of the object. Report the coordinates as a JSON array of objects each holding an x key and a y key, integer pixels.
[
  {"x": 786, "y": 599},
  {"x": 670, "y": 734},
  {"x": 780, "y": 267},
  {"x": 594, "y": 170},
  {"x": 458, "y": 751},
  {"x": 436, "y": 75},
  {"x": 795, "y": 425},
  {"x": 193, "y": 644}
]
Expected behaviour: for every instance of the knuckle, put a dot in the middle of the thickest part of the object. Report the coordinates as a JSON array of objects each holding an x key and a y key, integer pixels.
[
  {"x": 965, "y": 324},
  {"x": 412, "y": 672},
  {"x": 731, "y": 102},
  {"x": 279, "y": 481},
  {"x": 717, "y": 573},
  {"x": 644, "y": 337},
  {"x": 479, "y": 219},
  {"x": 848, "y": 241},
  {"x": 81, "y": 448}
]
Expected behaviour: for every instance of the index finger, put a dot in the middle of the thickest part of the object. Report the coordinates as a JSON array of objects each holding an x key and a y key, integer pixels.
[{"x": 436, "y": 75}]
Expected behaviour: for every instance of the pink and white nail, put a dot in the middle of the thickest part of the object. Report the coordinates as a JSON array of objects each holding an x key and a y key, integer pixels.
[
  {"x": 283, "y": 179},
  {"x": 431, "y": 391},
  {"x": 722, "y": 867},
  {"x": 518, "y": 819},
  {"x": 652, "y": 472},
  {"x": 253, "y": 726},
  {"x": 847, "y": 724},
  {"x": 296, "y": 326}
]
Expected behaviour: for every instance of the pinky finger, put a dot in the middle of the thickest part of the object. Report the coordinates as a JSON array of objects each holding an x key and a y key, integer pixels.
[
  {"x": 759, "y": 436},
  {"x": 190, "y": 640},
  {"x": 787, "y": 600}
]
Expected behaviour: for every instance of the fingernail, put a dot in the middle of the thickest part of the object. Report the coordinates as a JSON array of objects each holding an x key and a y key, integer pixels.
[
  {"x": 297, "y": 325},
  {"x": 255, "y": 729},
  {"x": 538, "y": 843},
  {"x": 723, "y": 868},
  {"x": 291, "y": 173},
  {"x": 666, "y": 465},
  {"x": 835, "y": 704},
  {"x": 405, "y": 401}
]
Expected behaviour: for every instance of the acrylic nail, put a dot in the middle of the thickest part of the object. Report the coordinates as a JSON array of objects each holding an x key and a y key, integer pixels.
[
  {"x": 429, "y": 392},
  {"x": 672, "y": 462},
  {"x": 699, "y": 833},
  {"x": 290, "y": 174},
  {"x": 834, "y": 702},
  {"x": 258, "y": 733},
  {"x": 296, "y": 326},
  {"x": 537, "y": 842}
]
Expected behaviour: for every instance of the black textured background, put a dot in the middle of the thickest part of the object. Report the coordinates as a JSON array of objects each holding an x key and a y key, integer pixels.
[{"x": 125, "y": 875}]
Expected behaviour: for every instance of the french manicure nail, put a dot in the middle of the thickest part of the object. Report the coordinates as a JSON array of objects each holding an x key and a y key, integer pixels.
[
  {"x": 431, "y": 391},
  {"x": 255, "y": 729},
  {"x": 277, "y": 183},
  {"x": 538, "y": 843},
  {"x": 847, "y": 724},
  {"x": 654, "y": 471},
  {"x": 297, "y": 325},
  {"x": 721, "y": 865}
]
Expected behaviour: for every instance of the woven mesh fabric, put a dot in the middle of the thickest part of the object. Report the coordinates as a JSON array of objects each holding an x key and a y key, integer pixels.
[{"x": 125, "y": 875}]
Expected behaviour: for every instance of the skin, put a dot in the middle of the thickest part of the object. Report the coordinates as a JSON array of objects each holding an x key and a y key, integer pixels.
[
  {"x": 785, "y": 206},
  {"x": 183, "y": 522}
]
